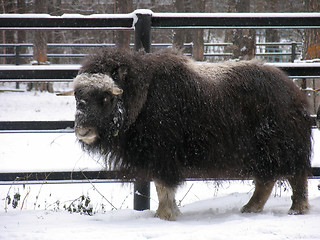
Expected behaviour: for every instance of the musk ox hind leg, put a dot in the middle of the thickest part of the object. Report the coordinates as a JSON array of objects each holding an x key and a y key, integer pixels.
[
  {"x": 299, "y": 185},
  {"x": 167, "y": 209},
  {"x": 263, "y": 189}
]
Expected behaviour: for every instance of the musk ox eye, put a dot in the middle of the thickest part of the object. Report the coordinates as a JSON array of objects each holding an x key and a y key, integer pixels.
[
  {"x": 81, "y": 103},
  {"x": 107, "y": 99}
]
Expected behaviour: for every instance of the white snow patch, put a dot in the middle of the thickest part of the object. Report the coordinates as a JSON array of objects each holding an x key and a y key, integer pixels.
[
  {"x": 65, "y": 15},
  {"x": 237, "y": 15},
  {"x": 139, "y": 11},
  {"x": 40, "y": 67},
  {"x": 211, "y": 217}
]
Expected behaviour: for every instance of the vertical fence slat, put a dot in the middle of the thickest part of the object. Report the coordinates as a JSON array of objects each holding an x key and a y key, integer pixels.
[
  {"x": 141, "y": 199},
  {"x": 293, "y": 51},
  {"x": 143, "y": 32}
]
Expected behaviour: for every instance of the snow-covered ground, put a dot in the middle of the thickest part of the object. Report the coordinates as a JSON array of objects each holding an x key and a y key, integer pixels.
[{"x": 210, "y": 210}]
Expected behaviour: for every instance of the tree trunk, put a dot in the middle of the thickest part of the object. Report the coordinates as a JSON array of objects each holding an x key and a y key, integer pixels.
[
  {"x": 8, "y": 6},
  {"x": 40, "y": 37},
  {"x": 40, "y": 48},
  {"x": 186, "y": 35},
  {"x": 197, "y": 35},
  {"x": 179, "y": 34},
  {"x": 311, "y": 46},
  {"x": 311, "y": 50},
  {"x": 123, "y": 38},
  {"x": 272, "y": 35},
  {"x": 21, "y": 33},
  {"x": 21, "y": 8},
  {"x": 244, "y": 46}
]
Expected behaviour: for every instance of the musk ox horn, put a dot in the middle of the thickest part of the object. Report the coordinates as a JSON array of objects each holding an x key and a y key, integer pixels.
[
  {"x": 102, "y": 81},
  {"x": 116, "y": 91},
  {"x": 67, "y": 93}
]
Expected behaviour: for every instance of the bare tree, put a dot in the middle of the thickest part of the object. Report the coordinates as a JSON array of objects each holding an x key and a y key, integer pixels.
[
  {"x": 123, "y": 38},
  {"x": 40, "y": 47},
  {"x": 40, "y": 37},
  {"x": 311, "y": 49},
  {"x": 179, "y": 34},
  {"x": 185, "y": 35},
  {"x": 197, "y": 35},
  {"x": 244, "y": 46},
  {"x": 8, "y": 6},
  {"x": 21, "y": 8},
  {"x": 272, "y": 35}
]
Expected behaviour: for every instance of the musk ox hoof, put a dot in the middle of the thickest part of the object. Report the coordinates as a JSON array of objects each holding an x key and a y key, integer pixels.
[
  {"x": 251, "y": 209},
  {"x": 168, "y": 215},
  {"x": 299, "y": 211},
  {"x": 299, "y": 206}
]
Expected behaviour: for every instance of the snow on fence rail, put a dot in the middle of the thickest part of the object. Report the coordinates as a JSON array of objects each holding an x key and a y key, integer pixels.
[{"x": 141, "y": 21}]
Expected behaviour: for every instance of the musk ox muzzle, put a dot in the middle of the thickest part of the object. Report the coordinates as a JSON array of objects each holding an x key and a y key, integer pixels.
[{"x": 87, "y": 135}]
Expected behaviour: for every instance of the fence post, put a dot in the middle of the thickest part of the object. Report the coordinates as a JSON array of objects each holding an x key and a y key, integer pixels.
[
  {"x": 142, "y": 31},
  {"x": 293, "y": 51},
  {"x": 142, "y": 41}
]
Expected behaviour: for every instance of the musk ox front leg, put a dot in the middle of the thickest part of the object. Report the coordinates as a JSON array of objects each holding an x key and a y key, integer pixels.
[
  {"x": 167, "y": 209},
  {"x": 260, "y": 196}
]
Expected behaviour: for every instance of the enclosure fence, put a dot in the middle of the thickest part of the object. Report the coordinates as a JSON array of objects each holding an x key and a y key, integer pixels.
[
  {"x": 288, "y": 52},
  {"x": 141, "y": 22}
]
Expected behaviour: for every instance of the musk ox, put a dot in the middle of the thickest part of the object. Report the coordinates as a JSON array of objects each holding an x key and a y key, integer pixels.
[{"x": 164, "y": 117}]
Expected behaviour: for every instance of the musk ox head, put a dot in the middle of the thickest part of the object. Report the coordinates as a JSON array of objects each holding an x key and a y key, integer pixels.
[
  {"x": 110, "y": 90},
  {"x": 99, "y": 111}
]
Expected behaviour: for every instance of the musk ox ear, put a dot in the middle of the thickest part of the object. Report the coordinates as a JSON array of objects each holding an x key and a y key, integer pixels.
[{"x": 116, "y": 91}]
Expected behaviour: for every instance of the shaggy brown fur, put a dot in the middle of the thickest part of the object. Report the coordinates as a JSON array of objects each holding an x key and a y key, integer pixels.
[{"x": 177, "y": 118}]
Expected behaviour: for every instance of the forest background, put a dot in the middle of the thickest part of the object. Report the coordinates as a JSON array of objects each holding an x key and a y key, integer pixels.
[{"x": 242, "y": 42}]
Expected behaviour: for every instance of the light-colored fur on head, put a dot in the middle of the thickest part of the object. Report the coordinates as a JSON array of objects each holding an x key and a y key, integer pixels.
[{"x": 96, "y": 80}]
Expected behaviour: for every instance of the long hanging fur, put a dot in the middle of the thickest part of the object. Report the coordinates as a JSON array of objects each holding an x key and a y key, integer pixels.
[{"x": 179, "y": 118}]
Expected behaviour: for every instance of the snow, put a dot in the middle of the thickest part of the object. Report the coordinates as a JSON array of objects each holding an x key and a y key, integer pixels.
[
  {"x": 238, "y": 15},
  {"x": 213, "y": 217},
  {"x": 137, "y": 12},
  {"x": 36, "y": 106},
  {"x": 210, "y": 210},
  {"x": 40, "y": 67},
  {"x": 296, "y": 65},
  {"x": 149, "y": 12},
  {"x": 77, "y": 66},
  {"x": 65, "y": 15}
]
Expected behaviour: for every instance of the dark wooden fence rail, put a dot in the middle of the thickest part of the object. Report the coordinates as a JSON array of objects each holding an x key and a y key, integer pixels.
[
  {"x": 142, "y": 22},
  {"x": 66, "y": 73}
]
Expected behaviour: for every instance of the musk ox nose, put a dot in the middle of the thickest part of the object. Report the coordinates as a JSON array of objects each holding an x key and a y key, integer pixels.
[{"x": 86, "y": 134}]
